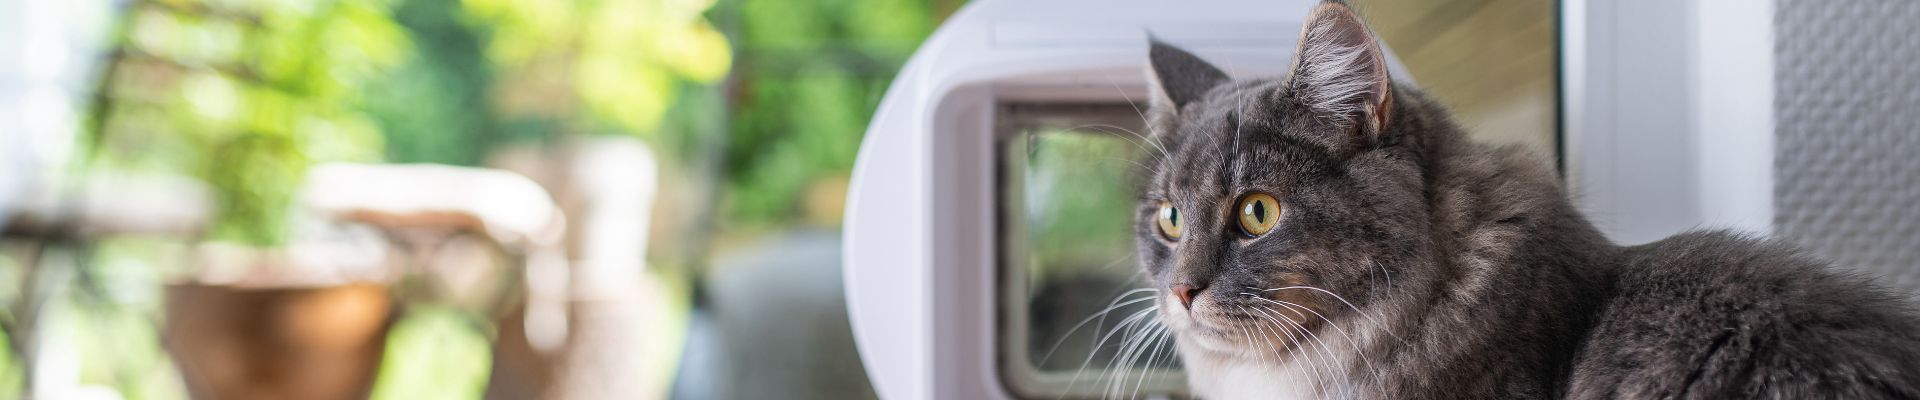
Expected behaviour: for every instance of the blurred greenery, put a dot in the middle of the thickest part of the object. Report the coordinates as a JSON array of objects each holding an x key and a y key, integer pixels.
[
  {"x": 10, "y": 373},
  {"x": 762, "y": 101},
  {"x": 140, "y": 369},
  {"x": 1079, "y": 201},
  {"x": 201, "y": 86},
  {"x": 245, "y": 95},
  {"x": 809, "y": 77},
  {"x": 430, "y": 108},
  {"x": 434, "y": 353},
  {"x": 277, "y": 86}
]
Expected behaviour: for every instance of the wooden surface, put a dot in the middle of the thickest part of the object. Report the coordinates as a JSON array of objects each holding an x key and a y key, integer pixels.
[{"x": 1491, "y": 61}]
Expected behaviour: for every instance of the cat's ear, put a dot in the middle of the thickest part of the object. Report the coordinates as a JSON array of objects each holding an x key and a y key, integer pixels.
[
  {"x": 1339, "y": 71},
  {"x": 1178, "y": 77}
]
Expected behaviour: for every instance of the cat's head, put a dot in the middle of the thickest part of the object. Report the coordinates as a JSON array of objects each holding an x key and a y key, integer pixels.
[{"x": 1277, "y": 202}]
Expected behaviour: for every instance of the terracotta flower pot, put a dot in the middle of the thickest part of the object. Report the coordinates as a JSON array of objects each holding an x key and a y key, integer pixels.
[{"x": 296, "y": 343}]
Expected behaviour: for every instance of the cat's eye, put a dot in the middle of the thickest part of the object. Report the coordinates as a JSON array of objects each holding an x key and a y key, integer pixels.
[
  {"x": 1259, "y": 212},
  {"x": 1169, "y": 221}
]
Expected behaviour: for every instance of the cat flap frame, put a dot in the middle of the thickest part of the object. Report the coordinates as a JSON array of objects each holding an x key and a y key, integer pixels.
[{"x": 924, "y": 261}]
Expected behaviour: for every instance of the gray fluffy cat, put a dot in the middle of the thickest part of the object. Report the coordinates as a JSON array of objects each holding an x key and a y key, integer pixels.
[{"x": 1331, "y": 234}]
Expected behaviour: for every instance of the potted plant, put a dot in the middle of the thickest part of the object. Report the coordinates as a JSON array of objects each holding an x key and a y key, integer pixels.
[
  {"x": 244, "y": 96},
  {"x": 256, "y": 321}
]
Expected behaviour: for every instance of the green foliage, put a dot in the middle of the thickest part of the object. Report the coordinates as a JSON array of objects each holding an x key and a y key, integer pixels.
[
  {"x": 245, "y": 96},
  {"x": 10, "y": 371},
  {"x": 140, "y": 368},
  {"x": 435, "y": 108},
  {"x": 256, "y": 176},
  {"x": 809, "y": 78},
  {"x": 611, "y": 65},
  {"x": 434, "y": 353},
  {"x": 495, "y": 72},
  {"x": 1079, "y": 200},
  {"x": 205, "y": 86}
]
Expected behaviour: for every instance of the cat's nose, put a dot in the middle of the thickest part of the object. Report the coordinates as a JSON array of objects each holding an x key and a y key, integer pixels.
[{"x": 1185, "y": 292}]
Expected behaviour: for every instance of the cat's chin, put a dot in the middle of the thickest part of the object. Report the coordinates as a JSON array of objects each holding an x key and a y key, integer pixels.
[
  {"x": 1209, "y": 341},
  {"x": 1210, "y": 336}
]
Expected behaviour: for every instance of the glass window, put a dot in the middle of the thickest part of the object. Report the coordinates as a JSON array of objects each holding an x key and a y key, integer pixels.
[{"x": 1067, "y": 174}]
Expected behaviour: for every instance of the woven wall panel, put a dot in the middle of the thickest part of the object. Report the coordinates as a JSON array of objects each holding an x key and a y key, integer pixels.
[{"x": 1847, "y": 163}]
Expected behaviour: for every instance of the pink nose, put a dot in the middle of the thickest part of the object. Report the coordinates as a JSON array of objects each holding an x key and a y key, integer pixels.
[{"x": 1185, "y": 292}]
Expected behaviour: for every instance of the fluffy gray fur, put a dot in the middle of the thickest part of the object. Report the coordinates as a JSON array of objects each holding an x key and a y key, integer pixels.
[{"x": 1410, "y": 262}]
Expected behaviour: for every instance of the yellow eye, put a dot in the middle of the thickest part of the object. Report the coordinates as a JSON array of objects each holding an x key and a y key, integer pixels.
[
  {"x": 1259, "y": 212},
  {"x": 1169, "y": 218}
]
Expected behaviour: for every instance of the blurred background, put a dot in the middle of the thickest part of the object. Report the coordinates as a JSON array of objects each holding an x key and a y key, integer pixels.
[
  {"x": 433, "y": 199},
  {"x": 458, "y": 199}
]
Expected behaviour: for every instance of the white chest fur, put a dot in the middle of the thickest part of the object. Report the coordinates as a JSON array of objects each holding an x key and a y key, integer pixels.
[
  {"x": 1218, "y": 376},
  {"x": 1243, "y": 381}
]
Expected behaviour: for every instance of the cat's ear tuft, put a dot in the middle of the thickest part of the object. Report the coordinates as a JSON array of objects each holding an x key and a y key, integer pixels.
[
  {"x": 1340, "y": 72},
  {"x": 1178, "y": 77}
]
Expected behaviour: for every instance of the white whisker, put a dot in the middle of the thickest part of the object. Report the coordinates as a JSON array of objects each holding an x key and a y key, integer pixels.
[
  {"x": 1356, "y": 310},
  {"x": 1132, "y": 346},
  {"x": 1328, "y": 357},
  {"x": 1316, "y": 314},
  {"x": 1130, "y": 103},
  {"x": 1131, "y": 319},
  {"x": 1155, "y": 345},
  {"x": 1353, "y": 343},
  {"x": 1319, "y": 377},
  {"x": 1101, "y": 315},
  {"x": 1109, "y": 128}
]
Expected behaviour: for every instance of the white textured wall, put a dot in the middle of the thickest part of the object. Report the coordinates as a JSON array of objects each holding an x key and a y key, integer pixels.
[{"x": 1848, "y": 108}]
